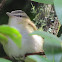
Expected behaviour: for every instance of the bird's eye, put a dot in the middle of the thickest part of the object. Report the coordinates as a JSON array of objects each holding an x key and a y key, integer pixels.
[{"x": 18, "y": 15}]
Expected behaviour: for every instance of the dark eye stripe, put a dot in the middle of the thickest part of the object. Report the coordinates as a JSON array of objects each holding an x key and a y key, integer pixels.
[{"x": 19, "y": 16}]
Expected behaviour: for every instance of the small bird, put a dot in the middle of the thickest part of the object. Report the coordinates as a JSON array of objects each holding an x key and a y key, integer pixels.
[{"x": 30, "y": 44}]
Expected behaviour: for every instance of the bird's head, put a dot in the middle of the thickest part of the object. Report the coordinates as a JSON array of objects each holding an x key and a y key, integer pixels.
[{"x": 19, "y": 17}]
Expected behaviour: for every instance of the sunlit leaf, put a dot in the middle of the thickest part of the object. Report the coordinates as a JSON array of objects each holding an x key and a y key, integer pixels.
[
  {"x": 12, "y": 33},
  {"x": 3, "y": 39},
  {"x": 58, "y": 9},
  {"x": 44, "y": 1}
]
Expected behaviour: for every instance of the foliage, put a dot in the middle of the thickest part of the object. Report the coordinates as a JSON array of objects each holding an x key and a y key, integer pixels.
[
  {"x": 3, "y": 39},
  {"x": 4, "y": 60},
  {"x": 58, "y": 8},
  {"x": 52, "y": 45},
  {"x": 11, "y": 32},
  {"x": 36, "y": 58}
]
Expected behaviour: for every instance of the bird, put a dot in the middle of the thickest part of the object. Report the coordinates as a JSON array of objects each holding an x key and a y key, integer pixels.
[{"x": 19, "y": 20}]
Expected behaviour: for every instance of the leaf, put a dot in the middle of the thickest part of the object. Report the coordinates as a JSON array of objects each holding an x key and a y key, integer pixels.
[
  {"x": 44, "y": 1},
  {"x": 4, "y": 60},
  {"x": 12, "y": 33},
  {"x": 61, "y": 59},
  {"x": 3, "y": 39},
  {"x": 58, "y": 9},
  {"x": 48, "y": 37},
  {"x": 52, "y": 45},
  {"x": 36, "y": 58}
]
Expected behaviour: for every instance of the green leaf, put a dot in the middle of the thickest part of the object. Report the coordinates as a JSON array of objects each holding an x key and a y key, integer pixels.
[
  {"x": 61, "y": 59},
  {"x": 58, "y": 9},
  {"x": 4, "y": 60},
  {"x": 36, "y": 58},
  {"x": 44, "y": 1},
  {"x": 48, "y": 37},
  {"x": 12, "y": 33},
  {"x": 52, "y": 45},
  {"x": 3, "y": 39}
]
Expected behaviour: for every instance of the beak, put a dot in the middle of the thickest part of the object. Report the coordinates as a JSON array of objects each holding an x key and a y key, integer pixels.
[{"x": 9, "y": 14}]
